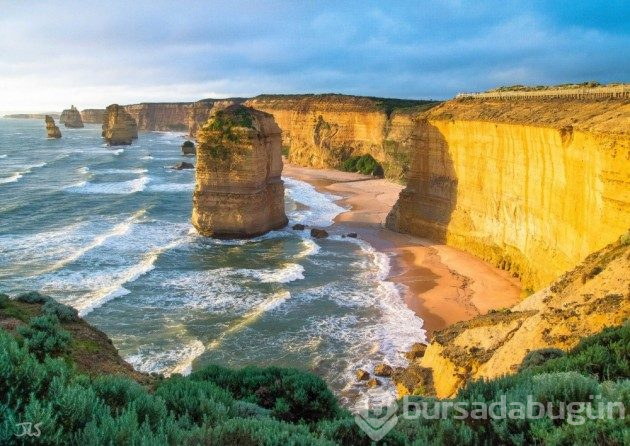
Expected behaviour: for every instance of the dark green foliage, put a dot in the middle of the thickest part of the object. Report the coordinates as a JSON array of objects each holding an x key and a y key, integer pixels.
[
  {"x": 32, "y": 297},
  {"x": 292, "y": 395},
  {"x": 44, "y": 336},
  {"x": 188, "y": 144},
  {"x": 539, "y": 357},
  {"x": 4, "y": 300},
  {"x": 364, "y": 164},
  {"x": 63, "y": 312},
  {"x": 252, "y": 432}
]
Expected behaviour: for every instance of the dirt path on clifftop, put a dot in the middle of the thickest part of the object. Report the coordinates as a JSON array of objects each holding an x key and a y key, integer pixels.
[{"x": 443, "y": 285}]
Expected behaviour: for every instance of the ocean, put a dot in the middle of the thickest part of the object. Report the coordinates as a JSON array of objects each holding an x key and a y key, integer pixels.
[{"x": 107, "y": 231}]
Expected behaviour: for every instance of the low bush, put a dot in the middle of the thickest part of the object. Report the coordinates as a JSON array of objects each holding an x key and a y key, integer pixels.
[
  {"x": 45, "y": 337},
  {"x": 364, "y": 164},
  {"x": 63, "y": 312},
  {"x": 32, "y": 297}
]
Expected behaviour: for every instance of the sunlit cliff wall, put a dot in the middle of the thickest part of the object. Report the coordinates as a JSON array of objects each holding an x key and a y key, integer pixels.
[
  {"x": 531, "y": 186},
  {"x": 324, "y": 130}
]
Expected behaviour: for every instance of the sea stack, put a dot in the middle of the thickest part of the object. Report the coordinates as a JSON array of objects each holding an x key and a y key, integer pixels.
[
  {"x": 239, "y": 192},
  {"x": 51, "y": 129},
  {"x": 119, "y": 127},
  {"x": 71, "y": 118}
]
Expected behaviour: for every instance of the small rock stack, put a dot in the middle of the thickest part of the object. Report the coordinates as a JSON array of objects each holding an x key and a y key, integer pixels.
[
  {"x": 51, "y": 129},
  {"x": 71, "y": 118},
  {"x": 119, "y": 127}
]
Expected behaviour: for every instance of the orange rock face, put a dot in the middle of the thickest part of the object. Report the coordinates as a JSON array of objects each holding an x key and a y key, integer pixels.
[
  {"x": 71, "y": 118},
  {"x": 534, "y": 199},
  {"x": 119, "y": 127},
  {"x": 52, "y": 131},
  {"x": 239, "y": 192}
]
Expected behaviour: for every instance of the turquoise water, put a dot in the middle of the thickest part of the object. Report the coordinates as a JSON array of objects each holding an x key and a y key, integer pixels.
[{"x": 108, "y": 231}]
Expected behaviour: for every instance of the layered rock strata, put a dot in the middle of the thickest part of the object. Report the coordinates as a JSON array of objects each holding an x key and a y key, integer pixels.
[
  {"x": 323, "y": 131},
  {"x": 119, "y": 127},
  {"x": 160, "y": 116},
  {"x": 530, "y": 186},
  {"x": 239, "y": 192},
  {"x": 93, "y": 115},
  {"x": 52, "y": 131},
  {"x": 71, "y": 118}
]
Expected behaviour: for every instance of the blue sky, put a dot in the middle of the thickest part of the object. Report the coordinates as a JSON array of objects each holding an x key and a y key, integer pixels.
[{"x": 91, "y": 54}]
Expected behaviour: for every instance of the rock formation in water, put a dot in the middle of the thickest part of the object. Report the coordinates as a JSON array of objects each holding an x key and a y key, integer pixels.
[
  {"x": 532, "y": 186},
  {"x": 93, "y": 115},
  {"x": 188, "y": 148},
  {"x": 323, "y": 131},
  {"x": 238, "y": 189},
  {"x": 119, "y": 127},
  {"x": 594, "y": 295},
  {"x": 52, "y": 131},
  {"x": 71, "y": 118}
]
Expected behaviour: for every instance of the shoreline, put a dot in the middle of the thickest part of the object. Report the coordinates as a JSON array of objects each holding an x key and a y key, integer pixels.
[{"x": 442, "y": 285}]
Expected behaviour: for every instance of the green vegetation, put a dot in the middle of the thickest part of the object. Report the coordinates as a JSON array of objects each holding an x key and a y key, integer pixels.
[
  {"x": 364, "y": 164},
  {"x": 224, "y": 123},
  {"x": 276, "y": 406}
]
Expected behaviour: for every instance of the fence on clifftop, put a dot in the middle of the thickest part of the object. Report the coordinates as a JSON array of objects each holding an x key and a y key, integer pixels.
[{"x": 616, "y": 91}]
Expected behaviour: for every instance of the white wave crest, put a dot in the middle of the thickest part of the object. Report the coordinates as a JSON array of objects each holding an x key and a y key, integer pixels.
[
  {"x": 319, "y": 209},
  {"x": 119, "y": 188}
]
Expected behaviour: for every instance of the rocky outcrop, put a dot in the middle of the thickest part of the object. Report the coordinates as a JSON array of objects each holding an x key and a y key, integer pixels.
[
  {"x": 93, "y": 115},
  {"x": 71, "y": 118},
  {"x": 52, "y": 131},
  {"x": 530, "y": 186},
  {"x": 323, "y": 131},
  {"x": 119, "y": 127},
  {"x": 238, "y": 189},
  {"x": 188, "y": 148},
  {"x": 582, "y": 302},
  {"x": 201, "y": 111}
]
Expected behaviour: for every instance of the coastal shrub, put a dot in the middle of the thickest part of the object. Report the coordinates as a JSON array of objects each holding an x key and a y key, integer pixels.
[
  {"x": 44, "y": 336},
  {"x": 63, "y": 312},
  {"x": 539, "y": 357},
  {"x": 291, "y": 394},
  {"x": 32, "y": 297},
  {"x": 364, "y": 164},
  {"x": 243, "y": 431},
  {"x": 4, "y": 300}
]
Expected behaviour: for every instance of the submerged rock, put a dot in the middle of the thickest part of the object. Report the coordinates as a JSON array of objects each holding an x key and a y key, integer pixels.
[
  {"x": 362, "y": 375},
  {"x": 71, "y": 118},
  {"x": 239, "y": 192},
  {"x": 188, "y": 148},
  {"x": 299, "y": 227},
  {"x": 319, "y": 233},
  {"x": 373, "y": 383},
  {"x": 182, "y": 166},
  {"x": 119, "y": 127},
  {"x": 52, "y": 131}
]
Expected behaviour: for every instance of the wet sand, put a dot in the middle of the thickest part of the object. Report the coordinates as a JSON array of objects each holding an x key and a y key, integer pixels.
[{"x": 443, "y": 285}]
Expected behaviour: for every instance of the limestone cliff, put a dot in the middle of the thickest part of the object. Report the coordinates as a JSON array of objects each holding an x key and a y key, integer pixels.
[
  {"x": 238, "y": 189},
  {"x": 594, "y": 295},
  {"x": 71, "y": 118},
  {"x": 93, "y": 115},
  {"x": 160, "y": 116},
  {"x": 52, "y": 131},
  {"x": 532, "y": 186},
  {"x": 324, "y": 130},
  {"x": 119, "y": 127}
]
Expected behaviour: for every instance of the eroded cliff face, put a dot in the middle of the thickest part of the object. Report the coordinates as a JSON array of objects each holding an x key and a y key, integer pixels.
[
  {"x": 93, "y": 115},
  {"x": 582, "y": 302},
  {"x": 52, "y": 131},
  {"x": 534, "y": 199},
  {"x": 322, "y": 131},
  {"x": 119, "y": 127},
  {"x": 160, "y": 116},
  {"x": 238, "y": 189},
  {"x": 71, "y": 118}
]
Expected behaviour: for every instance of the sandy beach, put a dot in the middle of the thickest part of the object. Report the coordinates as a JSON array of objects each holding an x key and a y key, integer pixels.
[{"x": 443, "y": 285}]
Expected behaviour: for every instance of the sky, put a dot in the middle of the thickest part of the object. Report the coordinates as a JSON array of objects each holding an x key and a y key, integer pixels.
[{"x": 94, "y": 53}]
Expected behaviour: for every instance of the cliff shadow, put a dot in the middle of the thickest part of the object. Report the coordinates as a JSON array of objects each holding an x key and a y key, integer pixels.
[{"x": 425, "y": 207}]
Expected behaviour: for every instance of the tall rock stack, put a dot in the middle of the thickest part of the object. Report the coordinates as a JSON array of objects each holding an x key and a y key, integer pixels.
[
  {"x": 238, "y": 189},
  {"x": 119, "y": 127},
  {"x": 201, "y": 111},
  {"x": 52, "y": 131},
  {"x": 71, "y": 118}
]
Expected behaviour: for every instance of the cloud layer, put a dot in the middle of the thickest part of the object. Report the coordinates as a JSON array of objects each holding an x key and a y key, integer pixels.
[{"x": 95, "y": 53}]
